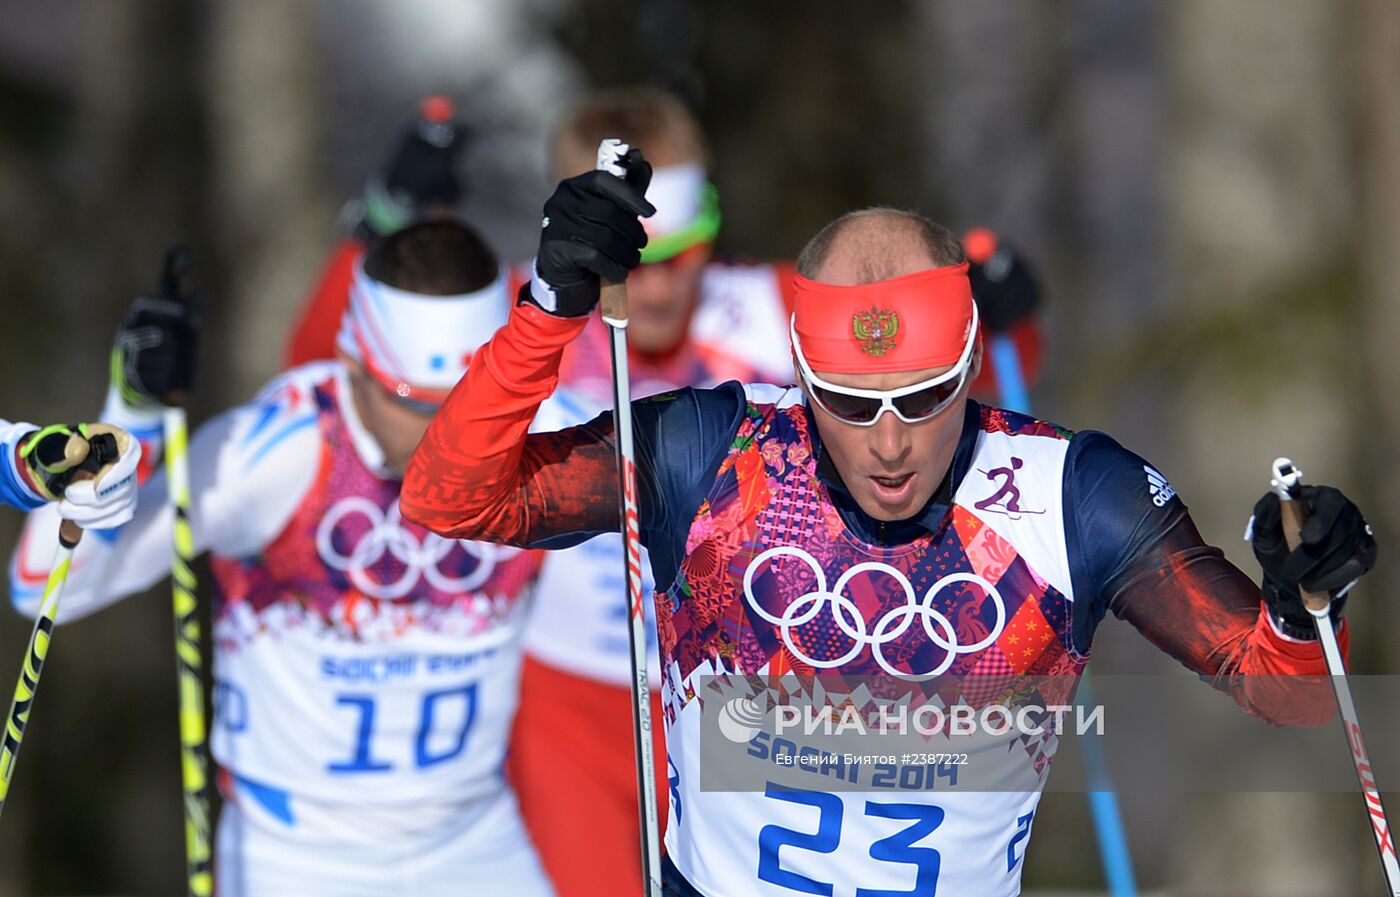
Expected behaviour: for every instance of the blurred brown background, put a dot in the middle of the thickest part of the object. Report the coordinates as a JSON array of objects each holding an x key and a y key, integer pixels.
[{"x": 1210, "y": 188}]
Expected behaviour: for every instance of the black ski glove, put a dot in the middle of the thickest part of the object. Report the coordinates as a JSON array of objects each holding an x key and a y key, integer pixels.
[
  {"x": 1337, "y": 547},
  {"x": 591, "y": 233},
  {"x": 153, "y": 361},
  {"x": 1003, "y": 284}
]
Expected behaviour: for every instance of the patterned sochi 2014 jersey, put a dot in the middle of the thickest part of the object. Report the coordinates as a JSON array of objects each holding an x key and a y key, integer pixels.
[
  {"x": 773, "y": 582},
  {"x": 391, "y": 652}
]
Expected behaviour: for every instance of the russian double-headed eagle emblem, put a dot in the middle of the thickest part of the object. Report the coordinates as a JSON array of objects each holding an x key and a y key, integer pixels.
[{"x": 875, "y": 330}]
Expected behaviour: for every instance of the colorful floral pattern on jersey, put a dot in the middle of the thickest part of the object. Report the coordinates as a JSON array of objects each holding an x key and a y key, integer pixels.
[
  {"x": 774, "y": 582},
  {"x": 999, "y": 420},
  {"x": 348, "y": 562}
]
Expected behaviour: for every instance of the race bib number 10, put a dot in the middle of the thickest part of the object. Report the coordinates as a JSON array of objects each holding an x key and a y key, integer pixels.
[{"x": 444, "y": 721}]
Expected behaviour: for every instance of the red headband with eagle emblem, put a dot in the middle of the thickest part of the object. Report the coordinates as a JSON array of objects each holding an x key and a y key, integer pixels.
[{"x": 910, "y": 323}]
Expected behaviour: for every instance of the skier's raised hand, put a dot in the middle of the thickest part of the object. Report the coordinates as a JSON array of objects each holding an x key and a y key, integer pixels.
[
  {"x": 590, "y": 233},
  {"x": 1003, "y": 284},
  {"x": 89, "y": 469},
  {"x": 153, "y": 361},
  {"x": 1337, "y": 547}
]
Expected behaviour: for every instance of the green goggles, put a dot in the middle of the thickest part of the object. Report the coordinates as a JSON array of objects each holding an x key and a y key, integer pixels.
[{"x": 703, "y": 229}]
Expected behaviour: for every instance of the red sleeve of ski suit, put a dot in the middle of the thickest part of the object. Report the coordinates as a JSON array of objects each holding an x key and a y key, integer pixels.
[
  {"x": 1139, "y": 554},
  {"x": 1202, "y": 610},
  {"x": 474, "y": 475}
]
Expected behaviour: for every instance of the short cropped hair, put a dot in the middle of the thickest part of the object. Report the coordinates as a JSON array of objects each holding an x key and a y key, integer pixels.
[
  {"x": 942, "y": 246},
  {"x": 654, "y": 120},
  {"x": 434, "y": 258}
]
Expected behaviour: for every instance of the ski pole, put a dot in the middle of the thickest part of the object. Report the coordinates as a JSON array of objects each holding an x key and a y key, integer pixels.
[
  {"x": 69, "y": 535},
  {"x": 1103, "y": 800},
  {"x": 1108, "y": 818},
  {"x": 1011, "y": 384},
  {"x": 1286, "y": 480},
  {"x": 194, "y": 764},
  {"x": 194, "y": 768},
  {"x": 614, "y": 308}
]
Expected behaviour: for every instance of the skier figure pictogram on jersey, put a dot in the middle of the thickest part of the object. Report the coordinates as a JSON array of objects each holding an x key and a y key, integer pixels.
[{"x": 1007, "y": 498}]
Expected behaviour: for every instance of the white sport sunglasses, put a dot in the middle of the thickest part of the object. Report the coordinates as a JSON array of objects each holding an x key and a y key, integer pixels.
[{"x": 912, "y": 404}]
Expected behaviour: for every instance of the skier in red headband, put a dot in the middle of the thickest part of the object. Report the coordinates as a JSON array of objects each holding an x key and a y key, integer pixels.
[{"x": 780, "y": 522}]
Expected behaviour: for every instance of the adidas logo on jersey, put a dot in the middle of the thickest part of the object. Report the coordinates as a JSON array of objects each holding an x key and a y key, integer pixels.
[{"x": 1158, "y": 488}]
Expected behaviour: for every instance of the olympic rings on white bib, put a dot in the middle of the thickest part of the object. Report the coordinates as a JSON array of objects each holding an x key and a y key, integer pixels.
[
  {"x": 890, "y": 626},
  {"x": 421, "y": 560}
]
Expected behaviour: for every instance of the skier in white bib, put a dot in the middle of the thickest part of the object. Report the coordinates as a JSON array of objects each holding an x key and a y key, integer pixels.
[{"x": 365, "y": 670}]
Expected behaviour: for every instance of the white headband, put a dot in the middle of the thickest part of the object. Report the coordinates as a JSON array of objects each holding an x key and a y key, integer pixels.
[
  {"x": 678, "y": 192},
  {"x": 415, "y": 343}
]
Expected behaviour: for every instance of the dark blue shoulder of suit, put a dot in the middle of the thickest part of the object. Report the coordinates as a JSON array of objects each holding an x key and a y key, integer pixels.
[{"x": 1119, "y": 509}]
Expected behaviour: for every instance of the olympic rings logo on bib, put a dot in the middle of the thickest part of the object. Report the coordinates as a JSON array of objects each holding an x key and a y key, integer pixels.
[
  {"x": 892, "y": 625},
  {"x": 421, "y": 559}
]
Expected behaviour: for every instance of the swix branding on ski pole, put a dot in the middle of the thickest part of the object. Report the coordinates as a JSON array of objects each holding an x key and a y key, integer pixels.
[
  {"x": 1379, "y": 825},
  {"x": 633, "y": 537},
  {"x": 611, "y": 158},
  {"x": 1286, "y": 480}
]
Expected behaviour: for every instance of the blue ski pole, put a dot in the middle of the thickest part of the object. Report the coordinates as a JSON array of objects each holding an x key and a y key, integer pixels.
[{"x": 1103, "y": 800}]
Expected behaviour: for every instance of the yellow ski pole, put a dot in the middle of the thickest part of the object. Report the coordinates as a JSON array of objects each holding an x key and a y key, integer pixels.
[
  {"x": 189, "y": 659},
  {"x": 69, "y": 534},
  {"x": 194, "y": 764}
]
